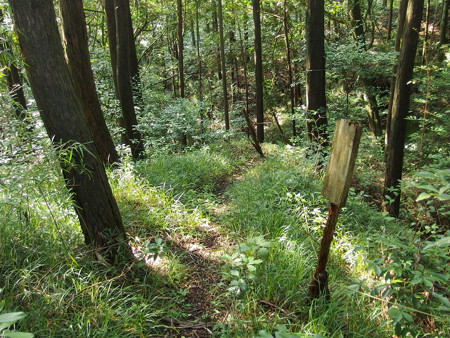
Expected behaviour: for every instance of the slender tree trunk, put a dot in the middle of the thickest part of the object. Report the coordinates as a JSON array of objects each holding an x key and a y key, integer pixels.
[
  {"x": 389, "y": 27},
  {"x": 180, "y": 46},
  {"x": 181, "y": 57},
  {"x": 373, "y": 115},
  {"x": 400, "y": 105},
  {"x": 251, "y": 129},
  {"x": 124, "y": 77},
  {"x": 425, "y": 40},
  {"x": 108, "y": 6},
  {"x": 357, "y": 21},
  {"x": 134, "y": 65},
  {"x": 289, "y": 62},
  {"x": 398, "y": 41},
  {"x": 444, "y": 22},
  {"x": 199, "y": 57},
  {"x": 13, "y": 80},
  {"x": 63, "y": 117},
  {"x": 15, "y": 88},
  {"x": 315, "y": 72},
  {"x": 223, "y": 67},
  {"x": 79, "y": 62},
  {"x": 259, "y": 80}
]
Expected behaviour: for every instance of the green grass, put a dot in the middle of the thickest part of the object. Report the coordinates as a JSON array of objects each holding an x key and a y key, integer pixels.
[{"x": 47, "y": 271}]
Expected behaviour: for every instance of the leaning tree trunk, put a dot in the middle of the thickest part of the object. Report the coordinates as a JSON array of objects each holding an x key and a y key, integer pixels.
[
  {"x": 396, "y": 134},
  {"x": 315, "y": 72},
  {"x": 62, "y": 114},
  {"x": 79, "y": 62},
  {"x": 259, "y": 80},
  {"x": 124, "y": 77}
]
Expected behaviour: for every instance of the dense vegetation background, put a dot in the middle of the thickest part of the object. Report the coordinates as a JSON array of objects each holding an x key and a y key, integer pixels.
[{"x": 216, "y": 160}]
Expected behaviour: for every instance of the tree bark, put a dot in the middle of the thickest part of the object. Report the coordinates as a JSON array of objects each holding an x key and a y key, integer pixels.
[
  {"x": 444, "y": 22},
  {"x": 124, "y": 77},
  {"x": 251, "y": 129},
  {"x": 223, "y": 67},
  {"x": 315, "y": 72},
  {"x": 199, "y": 57},
  {"x": 356, "y": 21},
  {"x": 180, "y": 46},
  {"x": 108, "y": 6},
  {"x": 400, "y": 105},
  {"x": 289, "y": 62},
  {"x": 389, "y": 27},
  {"x": 398, "y": 42},
  {"x": 259, "y": 80},
  {"x": 79, "y": 62},
  {"x": 13, "y": 80},
  {"x": 63, "y": 117}
]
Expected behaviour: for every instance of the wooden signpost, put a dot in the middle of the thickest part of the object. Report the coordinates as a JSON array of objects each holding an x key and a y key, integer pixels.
[{"x": 335, "y": 188}]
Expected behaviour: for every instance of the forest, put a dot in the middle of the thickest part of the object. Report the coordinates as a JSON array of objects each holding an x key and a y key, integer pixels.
[{"x": 164, "y": 168}]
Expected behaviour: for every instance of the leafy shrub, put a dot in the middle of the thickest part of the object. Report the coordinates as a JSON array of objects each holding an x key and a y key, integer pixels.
[
  {"x": 174, "y": 123},
  {"x": 412, "y": 275}
]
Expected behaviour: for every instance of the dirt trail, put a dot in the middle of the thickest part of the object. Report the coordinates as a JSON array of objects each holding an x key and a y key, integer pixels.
[{"x": 201, "y": 255}]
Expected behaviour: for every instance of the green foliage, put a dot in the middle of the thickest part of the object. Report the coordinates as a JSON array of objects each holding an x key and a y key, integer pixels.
[
  {"x": 240, "y": 269},
  {"x": 8, "y": 319},
  {"x": 280, "y": 332},
  {"x": 412, "y": 279},
  {"x": 430, "y": 210},
  {"x": 187, "y": 176}
]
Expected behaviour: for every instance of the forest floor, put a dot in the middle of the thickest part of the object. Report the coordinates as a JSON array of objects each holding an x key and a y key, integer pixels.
[
  {"x": 226, "y": 245},
  {"x": 202, "y": 259}
]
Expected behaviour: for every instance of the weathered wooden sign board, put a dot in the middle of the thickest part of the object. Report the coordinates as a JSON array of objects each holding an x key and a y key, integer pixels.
[
  {"x": 341, "y": 163},
  {"x": 335, "y": 188}
]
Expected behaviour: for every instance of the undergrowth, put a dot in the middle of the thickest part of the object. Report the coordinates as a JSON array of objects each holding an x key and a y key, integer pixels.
[{"x": 268, "y": 216}]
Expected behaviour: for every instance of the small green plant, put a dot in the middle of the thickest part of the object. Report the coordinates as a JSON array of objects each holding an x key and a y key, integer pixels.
[
  {"x": 149, "y": 250},
  {"x": 7, "y": 320},
  {"x": 281, "y": 331},
  {"x": 240, "y": 268},
  {"x": 430, "y": 209}
]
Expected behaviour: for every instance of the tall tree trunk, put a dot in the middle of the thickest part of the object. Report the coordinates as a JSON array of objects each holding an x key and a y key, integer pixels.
[
  {"x": 134, "y": 65},
  {"x": 373, "y": 115},
  {"x": 444, "y": 22},
  {"x": 251, "y": 129},
  {"x": 124, "y": 77},
  {"x": 389, "y": 27},
  {"x": 180, "y": 46},
  {"x": 108, "y": 6},
  {"x": 356, "y": 20},
  {"x": 398, "y": 41},
  {"x": 181, "y": 57},
  {"x": 400, "y": 105},
  {"x": 315, "y": 72},
  {"x": 223, "y": 69},
  {"x": 13, "y": 79},
  {"x": 199, "y": 57},
  {"x": 15, "y": 88},
  {"x": 289, "y": 62},
  {"x": 259, "y": 80},
  {"x": 425, "y": 40},
  {"x": 79, "y": 62},
  {"x": 63, "y": 117}
]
